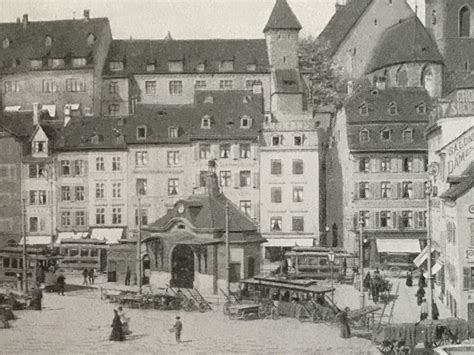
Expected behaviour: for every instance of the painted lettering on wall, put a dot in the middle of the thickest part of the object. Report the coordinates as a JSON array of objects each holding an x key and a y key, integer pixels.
[
  {"x": 460, "y": 151},
  {"x": 462, "y": 105}
]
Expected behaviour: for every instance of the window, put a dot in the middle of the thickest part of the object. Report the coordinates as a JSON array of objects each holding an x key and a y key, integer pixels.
[
  {"x": 65, "y": 168},
  {"x": 144, "y": 215},
  {"x": 276, "y": 140},
  {"x": 176, "y": 87},
  {"x": 141, "y": 158},
  {"x": 385, "y": 219},
  {"x": 79, "y": 62},
  {"x": 402, "y": 76},
  {"x": 421, "y": 219},
  {"x": 100, "y": 215},
  {"x": 246, "y": 206},
  {"x": 175, "y": 66},
  {"x": 298, "y": 140},
  {"x": 91, "y": 39},
  {"x": 225, "y": 177},
  {"x": 36, "y": 63},
  {"x": 226, "y": 65},
  {"x": 42, "y": 197},
  {"x": 33, "y": 224},
  {"x": 200, "y": 84},
  {"x": 66, "y": 219},
  {"x": 173, "y": 158},
  {"x": 407, "y": 164},
  {"x": 204, "y": 151},
  {"x": 116, "y": 66},
  {"x": 298, "y": 167},
  {"x": 113, "y": 109},
  {"x": 297, "y": 224},
  {"x": 465, "y": 22},
  {"x": 385, "y": 164},
  {"x": 116, "y": 215},
  {"x": 65, "y": 193},
  {"x": 78, "y": 167},
  {"x": 173, "y": 132},
  {"x": 407, "y": 189},
  {"x": 276, "y": 167},
  {"x": 116, "y": 190},
  {"x": 364, "y": 135},
  {"x": 173, "y": 187},
  {"x": 75, "y": 85},
  {"x": 50, "y": 85},
  {"x": 113, "y": 87},
  {"x": 364, "y": 165},
  {"x": 206, "y": 122},
  {"x": 6, "y": 43},
  {"x": 275, "y": 193},
  {"x": 116, "y": 164},
  {"x": 385, "y": 189},
  {"x": 407, "y": 219},
  {"x": 364, "y": 109},
  {"x": 249, "y": 84},
  {"x": 79, "y": 193},
  {"x": 150, "y": 67},
  {"x": 201, "y": 67},
  {"x": 297, "y": 194},
  {"x": 150, "y": 87},
  {"x": 363, "y": 190},
  {"x": 99, "y": 164},
  {"x": 224, "y": 151},
  {"x": 39, "y": 147},
  {"x": 226, "y": 85},
  {"x": 393, "y": 109},
  {"x": 245, "y": 122},
  {"x": 12, "y": 86},
  {"x": 56, "y": 63},
  {"x": 407, "y": 135},
  {"x": 275, "y": 224},
  {"x": 141, "y": 186},
  {"x": 385, "y": 135},
  {"x": 33, "y": 197},
  {"x": 245, "y": 178},
  {"x": 99, "y": 190},
  {"x": 245, "y": 151},
  {"x": 364, "y": 218}
]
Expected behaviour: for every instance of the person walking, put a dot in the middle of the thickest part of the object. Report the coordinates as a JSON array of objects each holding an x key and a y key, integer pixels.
[
  {"x": 178, "y": 328},
  {"x": 420, "y": 295},
  {"x": 422, "y": 279},
  {"x": 125, "y": 321},
  {"x": 117, "y": 330},
  {"x": 85, "y": 275},
  {"x": 91, "y": 275},
  {"x": 127, "y": 276},
  {"x": 36, "y": 298},
  {"x": 60, "y": 284},
  {"x": 435, "y": 311},
  {"x": 409, "y": 281},
  {"x": 424, "y": 310}
]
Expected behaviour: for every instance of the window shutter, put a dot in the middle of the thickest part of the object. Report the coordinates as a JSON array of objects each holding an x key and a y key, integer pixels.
[
  {"x": 375, "y": 190},
  {"x": 256, "y": 210},
  {"x": 196, "y": 153},
  {"x": 394, "y": 220},
  {"x": 377, "y": 219},
  {"x": 256, "y": 180},
  {"x": 356, "y": 191},
  {"x": 254, "y": 151},
  {"x": 215, "y": 151},
  {"x": 85, "y": 164},
  {"x": 400, "y": 220},
  {"x": 376, "y": 165},
  {"x": 399, "y": 190},
  {"x": 395, "y": 164},
  {"x": 356, "y": 164},
  {"x": 73, "y": 168},
  {"x": 419, "y": 190},
  {"x": 355, "y": 220},
  {"x": 466, "y": 278},
  {"x": 236, "y": 180},
  {"x": 415, "y": 219}
]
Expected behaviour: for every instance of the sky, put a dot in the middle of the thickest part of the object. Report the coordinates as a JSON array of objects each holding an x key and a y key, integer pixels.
[{"x": 185, "y": 19}]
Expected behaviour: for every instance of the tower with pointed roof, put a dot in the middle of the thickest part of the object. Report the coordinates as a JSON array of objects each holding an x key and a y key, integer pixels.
[{"x": 281, "y": 33}]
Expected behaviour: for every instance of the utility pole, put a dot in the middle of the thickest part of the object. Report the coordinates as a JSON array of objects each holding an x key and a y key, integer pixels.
[
  {"x": 429, "y": 188},
  {"x": 23, "y": 234},
  {"x": 139, "y": 245},
  {"x": 227, "y": 247},
  {"x": 361, "y": 263}
]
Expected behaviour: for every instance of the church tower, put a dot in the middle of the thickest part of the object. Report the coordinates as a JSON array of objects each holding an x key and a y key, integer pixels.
[{"x": 281, "y": 34}]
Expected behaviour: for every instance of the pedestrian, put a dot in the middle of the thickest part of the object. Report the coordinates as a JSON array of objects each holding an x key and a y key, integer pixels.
[
  {"x": 127, "y": 276},
  {"x": 36, "y": 298},
  {"x": 85, "y": 275},
  {"x": 344, "y": 267},
  {"x": 60, "y": 284},
  {"x": 420, "y": 294},
  {"x": 424, "y": 310},
  {"x": 367, "y": 281},
  {"x": 409, "y": 281},
  {"x": 421, "y": 280},
  {"x": 117, "y": 331},
  {"x": 343, "y": 318},
  {"x": 435, "y": 311},
  {"x": 125, "y": 321},
  {"x": 377, "y": 271},
  {"x": 91, "y": 275},
  {"x": 178, "y": 328}
]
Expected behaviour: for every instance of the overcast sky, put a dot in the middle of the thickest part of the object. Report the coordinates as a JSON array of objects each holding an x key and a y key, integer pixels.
[{"x": 185, "y": 19}]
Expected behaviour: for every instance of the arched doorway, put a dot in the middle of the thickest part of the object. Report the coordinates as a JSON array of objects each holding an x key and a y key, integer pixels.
[{"x": 182, "y": 266}]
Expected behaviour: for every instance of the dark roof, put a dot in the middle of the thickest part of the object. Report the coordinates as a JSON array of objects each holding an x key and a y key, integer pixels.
[
  {"x": 282, "y": 18},
  {"x": 136, "y": 54},
  {"x": 69, "y": 39},
  {"x": 19, "y": 124},
  {"x": 458, "y": 81},
  {"x": 288, "y": 81},
  {"x": 464, "y": 184},
  {"x": 342, "y": 22},
  {"x": 405, "y": 42}
]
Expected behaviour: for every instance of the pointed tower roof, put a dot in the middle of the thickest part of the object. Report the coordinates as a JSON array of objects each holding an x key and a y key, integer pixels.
[{"x": 282, "y": 18}]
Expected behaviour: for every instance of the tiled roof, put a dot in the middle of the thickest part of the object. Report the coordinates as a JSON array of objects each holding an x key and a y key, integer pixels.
[
  {"x": 282, "y": 18},
  {"x": 405, "y": 42},
  {"x": 69, "y": 39},
  {"x": 342, "y": 23},
  {"x": 288, "y": 81},
  {"x": 20, "y": 124},
  {"x": 136, "y": 54},
  {"x": 465, "y": 183}
]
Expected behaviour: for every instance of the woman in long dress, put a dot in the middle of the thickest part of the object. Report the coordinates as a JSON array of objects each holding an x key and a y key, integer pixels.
[
  {"x": 117, "y": 331},
  {"x": 125, "y": 321}
]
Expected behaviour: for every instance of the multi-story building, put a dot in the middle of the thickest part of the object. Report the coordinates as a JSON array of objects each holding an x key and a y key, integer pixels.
[
  {"x": 55, "y": 63},
  {"x": 376, "y": 164}
]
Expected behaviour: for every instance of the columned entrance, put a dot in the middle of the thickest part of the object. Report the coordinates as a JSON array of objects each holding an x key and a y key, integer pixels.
[{"x": 182, "y": 267}]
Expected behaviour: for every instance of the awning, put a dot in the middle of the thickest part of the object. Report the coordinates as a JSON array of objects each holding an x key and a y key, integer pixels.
[
  {"x": 110, "y": 235},
  {"x": 398, "y": 246},
  {"x": 439, "y": 264},
  {"x": 12, "y": 108},
  {"x": 71, "y": 235},
  {"x": 288, "y": 242},
  {"x": 422, "y": 257},
  {"x": 36, "y": 240},
  {"x": 51, "y": 110}
]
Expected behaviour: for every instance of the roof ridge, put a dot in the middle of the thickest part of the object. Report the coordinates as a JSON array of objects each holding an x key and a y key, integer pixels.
[
  {"x": 55, "y": 21},
  {"x": 124, "y": 40}
]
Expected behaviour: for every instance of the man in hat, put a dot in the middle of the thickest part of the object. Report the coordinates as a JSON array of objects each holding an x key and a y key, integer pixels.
[{"x": 178, "y": 328}]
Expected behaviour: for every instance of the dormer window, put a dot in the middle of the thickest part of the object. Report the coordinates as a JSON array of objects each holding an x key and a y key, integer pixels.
[
  {"x": 48, "y": 41},
  {"x": 36, "y": 63},
  {"x": 422, "y": 108},
  {"x": 56, "y": 63},
  {"x": 206, "y": 122},
  {"x": 141, "y": 132},
  {"x": 245, "y": 122},
  {"x": 97, "y": 138},
  {"x": 6, "y": 43},
  {"x": 298, "y": 140},
  {"x": 173, "y": 132},
  {"x": 208, "y": 100},
  {"x": 175, "y": 66},
  {"x": 385, "y": 135},
  {"x": 91, "y": 39},
  {"x": 276, "y": 140},
  {"x": 393, "y": 109},
  {"x": 364, "y": 109},
  {"x": 364, "y": 135},
  {"x": 201, "y": 67},
  {"x": 251, "y": 67},
  {"x": 407, "y": 135},
  {"x": 226, "y": 65},
  {"x": 150, "y": 67},
  {"x": 116, "y": 65},
  {"x": 79, "y": 62},
  {"x": 39, "y": 147}
]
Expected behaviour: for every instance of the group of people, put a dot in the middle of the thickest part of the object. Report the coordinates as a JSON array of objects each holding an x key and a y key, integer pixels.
[
  {"x": 120, "y": 325},
  {"x": 89, "y": 276},
  {"x": 374, "y": 285},
  {"x": 420, "y": 296}
]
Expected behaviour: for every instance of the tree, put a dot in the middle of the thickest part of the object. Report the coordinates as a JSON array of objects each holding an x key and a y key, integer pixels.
[{"x": 327, "y": 82}]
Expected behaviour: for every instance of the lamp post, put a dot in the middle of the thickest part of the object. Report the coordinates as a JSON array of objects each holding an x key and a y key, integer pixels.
[
  {"x": 227, "y": 247},
  {"x": 429, "y": 189},
  {"x": 24, "y": 256},
  {"x": 139, "y": 243},
  {"x": 361, "y": 262},
  {"x": 326, "y": 231},
  {"x": 331, "y": 257}
]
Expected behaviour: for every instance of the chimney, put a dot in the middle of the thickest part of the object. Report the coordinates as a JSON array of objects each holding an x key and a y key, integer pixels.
[
  {"x": 87, "y": 14},
  {"x": 36, "y": 113},
  {"x": 25, "y": 20}
]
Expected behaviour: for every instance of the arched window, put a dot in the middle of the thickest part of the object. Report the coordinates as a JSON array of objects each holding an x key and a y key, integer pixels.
[
  {"x": 465, "y": 22},
  {"x": 91, "y": 39},
  {"x": 402, "y": 76},
  {"x": 48, "y": 41},
  {"x": 6, "y": 43},
  {"x": 427, "y": 79}
]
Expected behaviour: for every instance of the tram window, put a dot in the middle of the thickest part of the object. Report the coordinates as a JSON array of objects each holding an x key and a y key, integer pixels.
[
  {"x": 323, "y": 262},
  {"x": 6, "y": 262},
  {"x": 14, "y": 264},
  {"x": 21, "y": 263},
  {"x": 94, "y": 252},
  {"x": 73, "y": 252},
  {"x": 85, "y": 252}
]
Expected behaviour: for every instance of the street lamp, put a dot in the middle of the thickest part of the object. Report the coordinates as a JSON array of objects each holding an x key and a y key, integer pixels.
[
  {"x": 326, "y": 229},
  {"x": 331, "y": 257},
  {"x": 361, "y": 262},
  {"x": 428, "y": 192}
]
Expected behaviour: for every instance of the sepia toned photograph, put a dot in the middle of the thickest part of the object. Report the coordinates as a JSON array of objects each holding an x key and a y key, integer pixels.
[{"x": 237, "y": 177}]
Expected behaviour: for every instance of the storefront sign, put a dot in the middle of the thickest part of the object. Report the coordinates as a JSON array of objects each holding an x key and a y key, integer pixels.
[
  {"x": 461, "y": 105},
  {"x": 460, "y": 151},
  {"x": 470, "y": 255}
]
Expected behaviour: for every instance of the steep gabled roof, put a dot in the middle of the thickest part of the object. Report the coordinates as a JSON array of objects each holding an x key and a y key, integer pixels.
[
  {"x": 342, "y": 23},
  {"x": 282, "y": 18},
  {"x": 405, "y": 42}
]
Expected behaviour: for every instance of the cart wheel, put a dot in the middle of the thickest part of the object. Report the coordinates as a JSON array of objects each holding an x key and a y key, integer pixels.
[
  {"x": 386, "y": 347},
  {"x": 442, "y": 339},
  {"x": 188, "y": 305},
  {"x": 202, "y": 307},
  {"x": 262, "y": 312}
]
